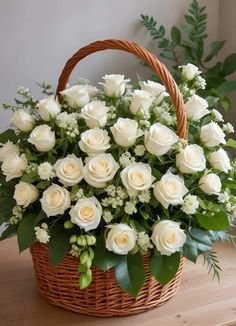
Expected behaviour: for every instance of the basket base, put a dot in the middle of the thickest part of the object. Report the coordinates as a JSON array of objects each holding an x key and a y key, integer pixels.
[{"x": 103, "y": 298}]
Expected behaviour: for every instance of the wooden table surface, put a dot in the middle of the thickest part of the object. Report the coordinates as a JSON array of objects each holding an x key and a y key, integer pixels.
[{"x": 199, "y": 302}]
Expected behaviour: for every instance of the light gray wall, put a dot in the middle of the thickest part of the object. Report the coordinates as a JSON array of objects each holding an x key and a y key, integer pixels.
[{"x": 37, "y": 37}]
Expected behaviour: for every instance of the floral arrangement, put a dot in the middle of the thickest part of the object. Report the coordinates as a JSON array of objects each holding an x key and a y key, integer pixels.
[{"x": 104, "y": 176}]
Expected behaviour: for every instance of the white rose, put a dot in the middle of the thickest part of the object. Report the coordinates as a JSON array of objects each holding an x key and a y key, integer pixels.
[
  {"x": 170, "y": 190},
  {"x": 95, "y": 114},
  {"x": 114, "y": 85},
  {"x": 48, "y": 108},
  {"x": 210, "y": 184},
  {"x": 156, "y": 89},
  {"x": 159, "y": 139},
  {"x": 55, "y": 200},
  {"x": 25, "y": 194},
  {"x": 94, "y": 141},
  {"x": 77, "y": 95},
  {"x": 196, "y": 108},
  {"x": 212, "y": 135},
  {"x": 168, "y": 237},
  {"x": 69, "y": 170},
  {"x": 191, "y": 159},
  {"x": 100, "y": 169},
  {"x": 217, "y": 115},
  {"x": 14, "y": 166},
  {"x": 219, "y": 160},
  {"x": 141, "y": 100},
  {"x": 189, "y": 71},
  {"x": 137, "y": 177},
  {"x": 7, "y": 149},
  {"x": 86, "y": 213},
  {"x": 121, "y": 239},
  {"x": 125, "y": 132},
  {"x": 23, "y": 120},
  {"x": 42, "y": 138}
]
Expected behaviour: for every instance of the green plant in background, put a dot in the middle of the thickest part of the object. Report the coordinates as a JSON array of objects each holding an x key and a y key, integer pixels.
[{"x": 188, "y": 46}]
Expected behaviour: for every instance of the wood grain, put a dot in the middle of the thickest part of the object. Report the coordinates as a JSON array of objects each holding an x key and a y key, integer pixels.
[{"x": 199, "y": 302}]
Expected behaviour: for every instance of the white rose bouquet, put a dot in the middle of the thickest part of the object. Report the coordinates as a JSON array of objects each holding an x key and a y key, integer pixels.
[{"x": 104, "y": 177}]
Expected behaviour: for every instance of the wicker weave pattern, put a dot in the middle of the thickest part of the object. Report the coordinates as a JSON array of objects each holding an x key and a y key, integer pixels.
[
  {"x": 104, "y": 297},
  {"x": 158, "y": 67}
]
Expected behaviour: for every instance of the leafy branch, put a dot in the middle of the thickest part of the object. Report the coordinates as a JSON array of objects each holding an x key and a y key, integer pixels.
[{"x": 211, "y": 261}]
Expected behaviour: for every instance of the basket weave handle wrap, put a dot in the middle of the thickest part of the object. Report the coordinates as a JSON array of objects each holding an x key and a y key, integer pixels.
[{"x": 158, "y": 67}]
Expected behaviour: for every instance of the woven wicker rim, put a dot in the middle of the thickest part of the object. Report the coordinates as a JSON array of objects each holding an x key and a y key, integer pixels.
[{"x": 154, "y": 63}]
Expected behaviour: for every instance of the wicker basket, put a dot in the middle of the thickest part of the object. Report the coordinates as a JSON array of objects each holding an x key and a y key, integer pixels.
[{"x": 104, "y": 297}]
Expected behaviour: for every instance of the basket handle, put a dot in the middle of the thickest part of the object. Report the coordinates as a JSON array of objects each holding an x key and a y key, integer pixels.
[{"x": 158, "y": 67}]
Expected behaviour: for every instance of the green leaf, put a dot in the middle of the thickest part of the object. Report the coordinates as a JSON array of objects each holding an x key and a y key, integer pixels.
[
  {"x": 190, "y": 250},
  {"x": 164, "y": 268},
  {"x": 229, "y": 65},
  {"x": 85, "y": 279},
  {"x": 6, "y": 205},
  {"x": 8, "y": 135},
  {"x": 137, "y": 226},
  {"x": 201, "y": 236},
  {"x": 215, "y": 49},
  {"x": 214, "y": 220},
  {"x": 10, "y": 230},
  {"x": 212, "y": 100},
  {"x": 26, "y": 232},
  {"x": 226, "y": 104},
  {"x": 226, "y": 88},
  {"x": 58, "y": 245},
  {"x": 231, "y": 143},
  {"x": 215, "y": 70},
  {"x": 175, "y": 35},
  {"x": 30, "y": 177},
  {"x": 103, "y": 258},
  {"x": 130, "y": 273}
]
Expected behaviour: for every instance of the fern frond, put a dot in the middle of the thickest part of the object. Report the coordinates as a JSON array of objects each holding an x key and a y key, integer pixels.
[{"x": 211, "y": 261}]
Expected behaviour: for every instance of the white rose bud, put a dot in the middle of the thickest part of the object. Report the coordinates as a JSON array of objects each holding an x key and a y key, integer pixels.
[
  {"x": 86, "y": 213},
  {"x": 210, "y": 184},
  {"x": 69, "y": 170},
  {"x": 212, "y": 135},
  {"x": 191, "y": 159},
  {"x": 95, "y": 114},
  {"x": 25, "y": 194},
  {"x": 100, "y": 169},
  {"x": 77, "y": 95},
  {"x": 159, "y": 139},
  {"x": 48, "y": 108},
  {"x": 94, "y": 141},
  {"x": 170, "y": 190},
  {"x": 14, "y": 166},
  {"x": 55, "y": 200},
  {"x": 156, "y": 89},
  {"x": 137, "y": 177},
  {"x": 168, "y": 237},
  {"x": 217, "y": 115},
  {"x": 219, "y": 160},
  {"x": 189, "y": 71},
  {"x": 114, "y": 85},
  {"x": 121, "y": 239},
  {"x": 7, "y": 149},
  {"x": 141, "y": 101},
  {"x": 42, "y": 138},
  {"x": 23, "y": 120},
  {"x": 125, "y": 132},
  {"x": 196, "y": 108}
]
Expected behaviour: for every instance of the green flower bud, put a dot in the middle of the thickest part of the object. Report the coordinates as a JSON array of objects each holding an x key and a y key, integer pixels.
[
  {"x": 68, "y": 225},
  {"x": 81, "y": 241},
  {"x": 73, "y": 239}
]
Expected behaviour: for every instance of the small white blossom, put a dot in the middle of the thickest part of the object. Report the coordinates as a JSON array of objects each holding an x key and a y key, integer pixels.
[
  {"x": 200, "y": 82},
  {"x": 144, "y": 124},
  {"x": 32, "y": 167},
  {"x": 126, "y": 159},
  {"x": 75, "y": 250},
  {"x": 144, "y": 241},
  {"x": 68, "y": 121},
  {"x": 144, "y": 196},
  {"x": 190, "y": 204},
  {"x": 140, "y": 150},
  {"x": 121, "y": 192},
  {"x": 80, "y": 194},
  {"x": 17, "y": 214},
  {"x": 224, "y": 197},
  {"x": 229, "y": 207},
  {"x": 217, "y": 115},
  {"x": 111, "y": 190},
  {"x": 228, "y": 127},
  {"x": 24, "y": 92},
  {"x": 107, "y": 216},
  {"x": 130, "y": 208},
  {"x": 45, "y": 171},
  {"x": 42, "y": 234},
  {"x": 181, "y": 144}
]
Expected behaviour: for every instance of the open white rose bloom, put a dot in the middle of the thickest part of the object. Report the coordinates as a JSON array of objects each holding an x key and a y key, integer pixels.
[{"x": 103, "y": 173}]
